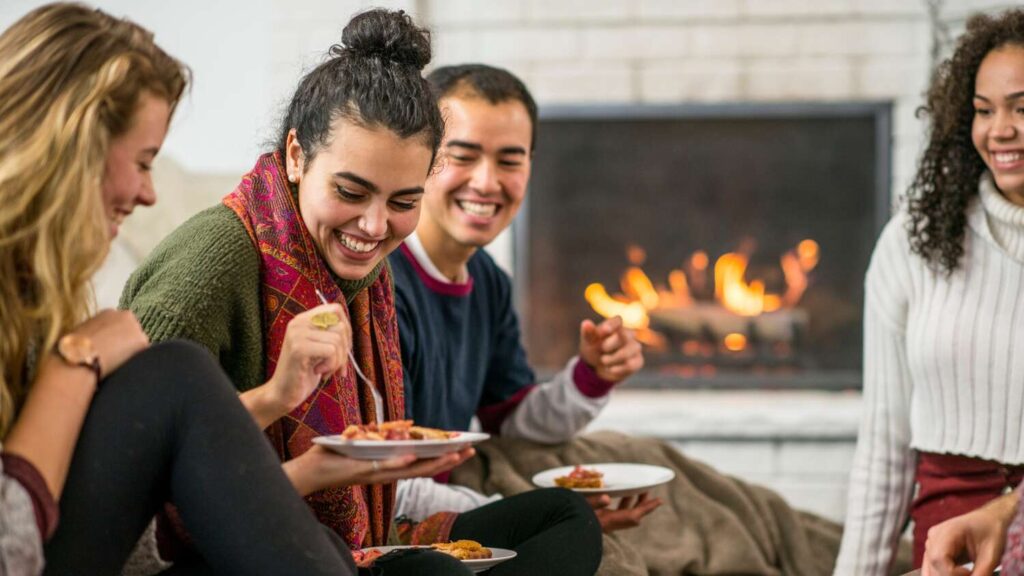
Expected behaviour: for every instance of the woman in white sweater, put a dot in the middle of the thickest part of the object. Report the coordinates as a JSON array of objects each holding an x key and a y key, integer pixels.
[{"x": 944, "y": 317}]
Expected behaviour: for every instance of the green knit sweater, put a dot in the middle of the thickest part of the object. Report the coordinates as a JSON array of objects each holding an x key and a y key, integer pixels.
[{"x": 202, "y": 283}]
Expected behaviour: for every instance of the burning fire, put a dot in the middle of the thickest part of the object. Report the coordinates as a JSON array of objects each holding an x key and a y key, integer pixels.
[{"x": 732, "y": 292}]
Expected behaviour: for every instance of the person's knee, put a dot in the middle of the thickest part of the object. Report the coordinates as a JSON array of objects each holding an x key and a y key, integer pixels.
[
  {"x": 175, "y": 368},
  {"x": 570, "y": 503},
  {"x": 575, "y": 509}
]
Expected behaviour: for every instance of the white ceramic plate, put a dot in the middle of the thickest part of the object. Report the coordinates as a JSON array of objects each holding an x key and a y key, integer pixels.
[
  {"x": 619, "y": 479},
  {"x": 384, "y": 449},
  {"x": 498, "y": 555}
]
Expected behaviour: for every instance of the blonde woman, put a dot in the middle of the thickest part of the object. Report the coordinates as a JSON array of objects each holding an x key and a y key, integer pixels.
[{"x": 93, "y": 417}]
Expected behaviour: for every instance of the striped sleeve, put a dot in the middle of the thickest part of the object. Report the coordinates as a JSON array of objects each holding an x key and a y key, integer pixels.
[
  {"x": 21, "y": 524},
  {"x": 556, "y": 410},
  {"x": 882, "y": 476}
]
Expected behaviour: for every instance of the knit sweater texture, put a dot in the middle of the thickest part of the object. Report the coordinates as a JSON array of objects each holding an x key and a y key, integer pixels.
[
  {"x": 202, "y": 283},
  {"x": 943, "y": 369}
]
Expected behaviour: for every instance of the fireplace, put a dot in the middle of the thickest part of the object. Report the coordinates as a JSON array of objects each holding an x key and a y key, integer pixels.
[{"x": 733, "y": 238}]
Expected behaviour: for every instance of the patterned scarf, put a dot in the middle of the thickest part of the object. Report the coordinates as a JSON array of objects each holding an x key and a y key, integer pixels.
[
  {"x": 1013, "y": 556},
  {"x": 290, "y": 272}
]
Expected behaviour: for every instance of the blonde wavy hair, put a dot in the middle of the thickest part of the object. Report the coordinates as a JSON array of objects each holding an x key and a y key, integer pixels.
[{"x": 70, "y": 81}]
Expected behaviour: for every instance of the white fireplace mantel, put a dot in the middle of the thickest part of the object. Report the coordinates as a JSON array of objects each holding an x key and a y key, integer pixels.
[{"x": 749, "y": 415}]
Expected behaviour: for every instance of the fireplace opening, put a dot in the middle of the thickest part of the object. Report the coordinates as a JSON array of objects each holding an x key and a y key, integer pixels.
[{"x": 732, "y": 238}]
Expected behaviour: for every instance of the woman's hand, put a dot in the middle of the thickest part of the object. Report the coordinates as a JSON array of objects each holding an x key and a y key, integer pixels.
[
  {"x": 320, "y": 468},
  {"x": 116, "y": 335},
  {"x": 977, "y": 536},
  {"x": 47, "y": 428},
  {"x": 311, "y": 350},
  {"x": 628, "y": 514}
]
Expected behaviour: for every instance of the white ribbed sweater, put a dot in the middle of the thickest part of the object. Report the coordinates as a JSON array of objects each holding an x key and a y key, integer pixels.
[{"x": 943, "y": 369}]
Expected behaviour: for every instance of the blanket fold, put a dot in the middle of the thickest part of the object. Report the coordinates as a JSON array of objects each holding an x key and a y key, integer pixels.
[{"x": 710, "y": 523}]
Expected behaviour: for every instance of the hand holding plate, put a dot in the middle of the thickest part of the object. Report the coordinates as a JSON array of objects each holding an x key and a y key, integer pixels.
[{"x": 321, "y": 468}]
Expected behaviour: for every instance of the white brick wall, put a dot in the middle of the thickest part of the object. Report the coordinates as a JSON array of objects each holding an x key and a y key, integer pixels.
[
  {"x": 594, "y": 51},
  {"x": 690, "y": 9},
  {"x": 674, "y": 51}
]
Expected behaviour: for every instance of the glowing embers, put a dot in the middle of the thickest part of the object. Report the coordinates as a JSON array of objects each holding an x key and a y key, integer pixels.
[{"x": 709, "y": 316}]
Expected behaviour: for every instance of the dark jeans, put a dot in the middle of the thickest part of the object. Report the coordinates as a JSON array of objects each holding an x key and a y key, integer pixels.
[
  {"x": 417, "y": 563},
  {"x": 167, "y": 426},
  {"x": 553, "y": 531}
]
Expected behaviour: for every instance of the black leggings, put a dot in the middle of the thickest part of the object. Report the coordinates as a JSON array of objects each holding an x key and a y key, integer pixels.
[
  {"x": 553, "y": 531},
  {"x": 167, "y": 426}
]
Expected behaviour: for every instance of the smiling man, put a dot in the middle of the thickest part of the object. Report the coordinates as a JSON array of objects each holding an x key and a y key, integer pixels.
[{"x": 460, "y": 337}]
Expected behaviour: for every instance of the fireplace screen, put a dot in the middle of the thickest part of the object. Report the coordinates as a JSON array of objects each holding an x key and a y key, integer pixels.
[{"x": 733, "y": 239}]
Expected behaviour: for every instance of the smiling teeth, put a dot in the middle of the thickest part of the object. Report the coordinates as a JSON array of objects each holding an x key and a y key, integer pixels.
[
  {"x": 355, "y": 245},
  {"x": 478, "y": 209},
  {"x": 1006, "y": 157}
]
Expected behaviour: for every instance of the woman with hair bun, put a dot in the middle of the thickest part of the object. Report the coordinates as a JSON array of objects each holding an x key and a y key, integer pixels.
[
  {"x": 318, "y": 215},
  {"x": 943, "y": 402},
  {"x": 91, "y": 415}
]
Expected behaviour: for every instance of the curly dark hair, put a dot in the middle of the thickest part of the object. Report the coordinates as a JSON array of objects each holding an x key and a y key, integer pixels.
[{"x": 950, "y": 169}]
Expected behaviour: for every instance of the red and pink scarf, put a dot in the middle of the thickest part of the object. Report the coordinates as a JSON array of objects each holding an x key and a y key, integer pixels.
[{"x": 291, "y": 271}]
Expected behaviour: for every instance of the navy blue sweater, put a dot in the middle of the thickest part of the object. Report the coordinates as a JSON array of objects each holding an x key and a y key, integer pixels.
[{"x": 461, "y": 345}]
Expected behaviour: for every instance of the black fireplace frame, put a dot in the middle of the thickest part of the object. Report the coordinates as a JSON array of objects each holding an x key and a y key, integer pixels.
[{"x": 880, "y": 111}]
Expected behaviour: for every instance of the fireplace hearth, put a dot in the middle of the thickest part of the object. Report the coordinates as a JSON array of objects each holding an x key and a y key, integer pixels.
[{"x": 732, "y": 238}]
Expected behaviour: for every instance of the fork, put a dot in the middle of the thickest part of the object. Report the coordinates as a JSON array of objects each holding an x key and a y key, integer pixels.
[{"x": 351, "y": 357}]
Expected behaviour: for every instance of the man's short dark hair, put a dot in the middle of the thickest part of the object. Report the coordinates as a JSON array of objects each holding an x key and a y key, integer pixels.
[{"x": 495, "y": 85}]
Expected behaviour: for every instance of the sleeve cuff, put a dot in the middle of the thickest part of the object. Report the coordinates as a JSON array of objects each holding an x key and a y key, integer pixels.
[
  {"x": 588, "y": 382},
  {"x": 43, "y": 502}
]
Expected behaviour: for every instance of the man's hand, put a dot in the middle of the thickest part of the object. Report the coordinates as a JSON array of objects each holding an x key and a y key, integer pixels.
[
  {"x": 977, "y": 536},
  {"x": 630, "y": 511},
  {"x": 610, "y": 349}
]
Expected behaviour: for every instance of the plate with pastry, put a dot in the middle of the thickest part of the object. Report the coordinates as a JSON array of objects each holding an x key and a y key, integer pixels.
[
  {"x": 612, "y": 479},
  {"x": 476, "y": 557},
  {"x": 397, "y": 438}
]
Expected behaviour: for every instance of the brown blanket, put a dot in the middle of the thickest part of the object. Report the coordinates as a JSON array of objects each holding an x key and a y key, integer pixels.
[{"x": 710, "y": 523}]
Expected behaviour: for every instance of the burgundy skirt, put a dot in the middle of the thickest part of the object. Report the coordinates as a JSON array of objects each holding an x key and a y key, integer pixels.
[{"x": 949, "y": 485}]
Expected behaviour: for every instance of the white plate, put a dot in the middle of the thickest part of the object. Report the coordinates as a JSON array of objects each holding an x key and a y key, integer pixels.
[
  {"x": 619, "y": 479},
  {"x": 498, "y": 555},
  {"x": 384, "y": 449}
]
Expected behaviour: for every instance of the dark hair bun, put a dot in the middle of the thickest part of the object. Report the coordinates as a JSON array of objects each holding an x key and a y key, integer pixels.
[{"x": 389, "y": 35}]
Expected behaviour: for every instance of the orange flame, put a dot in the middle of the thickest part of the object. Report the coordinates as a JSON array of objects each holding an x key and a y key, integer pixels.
[
  {"x": 732, "y": 290},
  {"x": 632, "y": 313},
  {"x": 795, "y": 266},
  {"x": 735, "y": 342},
  {"x": 699, "y": 260},
  {"x": 638, "y": 286}
]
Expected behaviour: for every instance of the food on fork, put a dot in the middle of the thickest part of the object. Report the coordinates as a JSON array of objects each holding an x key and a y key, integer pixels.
[
  {"x": 463, "y": 549},
  {"x": 395, "y": 430},
  {"x": 581, "y": 477}
]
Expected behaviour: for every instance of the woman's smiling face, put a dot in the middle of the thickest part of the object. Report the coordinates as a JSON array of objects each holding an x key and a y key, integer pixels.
[
  {"x": 998, "y": 127},
  {"x": 360, "y": 195}
]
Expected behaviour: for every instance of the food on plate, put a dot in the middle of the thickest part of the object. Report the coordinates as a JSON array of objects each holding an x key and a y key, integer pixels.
[
  {"x": 365, "y": 558},
  {"x": 581, "y": 477},
  {"x": 424, "y": 433},
  {"x": 463, "y": 549},
  {"x": 395, "y": 430}
]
